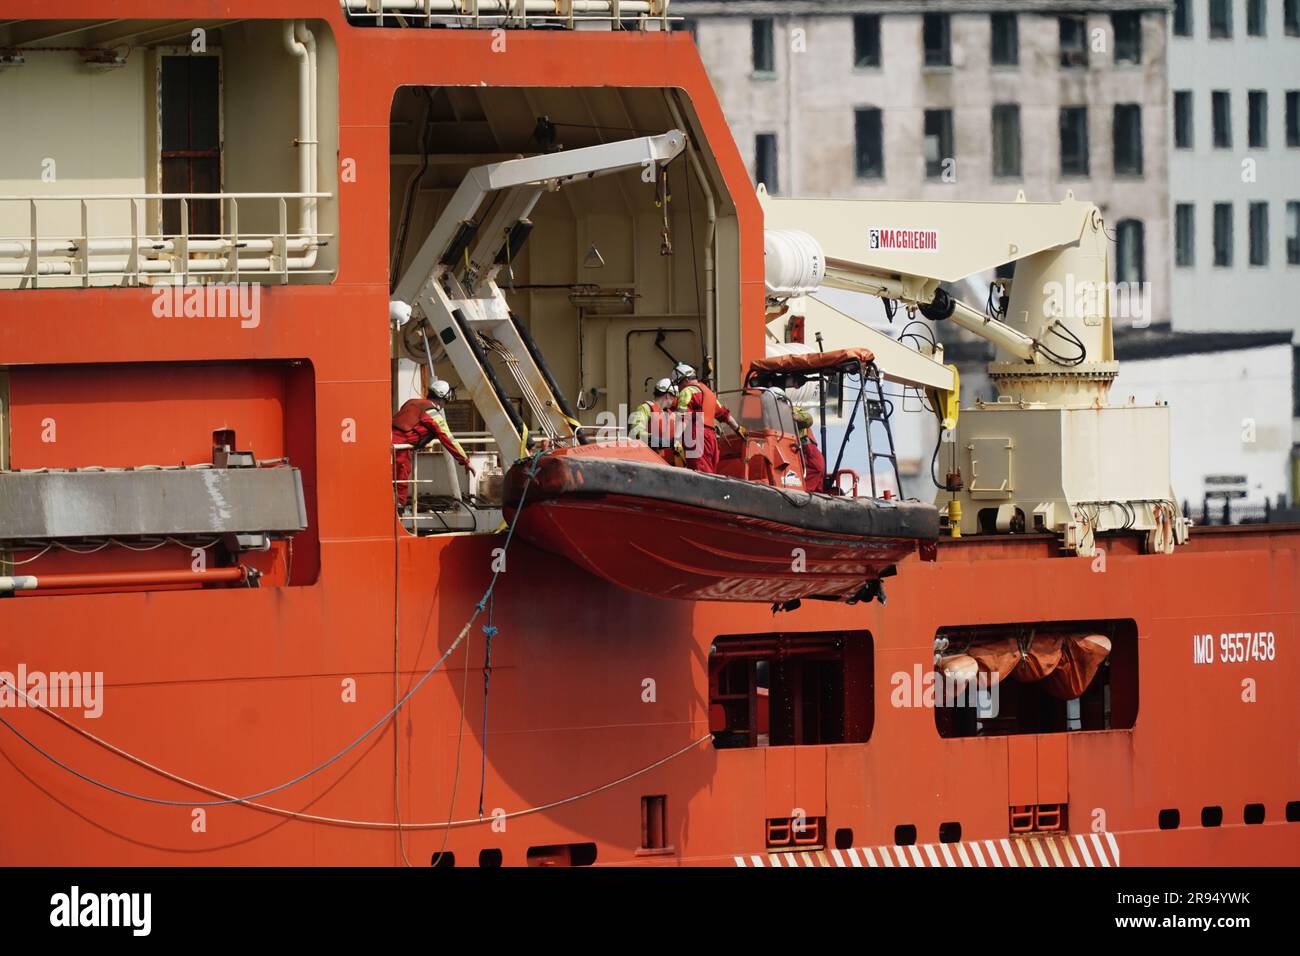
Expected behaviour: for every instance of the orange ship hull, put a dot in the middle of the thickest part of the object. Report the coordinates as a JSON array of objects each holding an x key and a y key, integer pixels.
[{"x": 599, "y": 696}]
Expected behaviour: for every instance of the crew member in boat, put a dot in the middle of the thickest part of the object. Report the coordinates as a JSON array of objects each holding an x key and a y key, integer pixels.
[
  {"x": 651, "y": 421},
  {"x": 419, "y": 422},
  {"x": 700, "y": 411},
  {"x": 814, "y": 462}
]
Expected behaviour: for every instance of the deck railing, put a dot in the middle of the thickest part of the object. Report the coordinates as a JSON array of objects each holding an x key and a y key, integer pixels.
[
  {"x": 491, "y": 14},
  {"x": 138, "y": 255}
]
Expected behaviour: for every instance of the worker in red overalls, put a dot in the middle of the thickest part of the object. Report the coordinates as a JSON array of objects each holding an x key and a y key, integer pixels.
[
  {"x": 700, "y": 411},
  {"x": 814, "y": 462},
  {"x": 418, "y": 422}
]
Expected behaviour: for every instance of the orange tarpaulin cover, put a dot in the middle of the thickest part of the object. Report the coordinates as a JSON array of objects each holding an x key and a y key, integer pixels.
[{"x": 812, "y": 361}]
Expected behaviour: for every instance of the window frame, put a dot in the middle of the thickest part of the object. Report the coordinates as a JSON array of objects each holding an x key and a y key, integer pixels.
[
  {"x": 773, "y": 187},
  {"x": 1184, "y": 235},
  {"x": 1184, "y": 120},
  {"x": 1007, "y": 110},
  {"x": 1256, "y": 18},
  {"x": 1183, "y": 19},
  {"x": 1257, "y": 228},
  {"x": 1073, "y": 111},
  {"x": 861, "y": 113},
  {"x": 1224, "y": 97},
  {"x": 1130, "y": 230},
  {"x": 1070, "y": 58},
  {"x": 1136, "y": 41},
  {"x": 945, "y": 21},
  {"x": 859, "y": 63},
  {"x": 1134, "y": 168},
  {"x": 1257, "y": 134},
  {"x": 1223, "y": 243},
  {"x": 946, "y": 131},
  {"x": 1005, "y": 18},
  {"x": 1225, "y": 6},
  {"x": 762, "y": 39}
]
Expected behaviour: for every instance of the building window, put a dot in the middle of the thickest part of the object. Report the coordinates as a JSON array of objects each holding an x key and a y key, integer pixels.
[
  {"x": 1223, "y": 234},
  {"x": 1222, "y": 109},
  {"x": 1259, "y": 234},
  {"x": 1074, "y": 141},
  {"x": 1220, "y": 19},
  {"x": 1183, "y": 119},
  {"x": 1293, "y": 117},
  {"x": 1128, "y": 139},
  {"x": 1255, "y": 17},
  {"x": 1182, "y": 18},
  {"x": 938, "y": 141},
  {"x": 778, "y": 690},
  {"x": 1074, "y": 41},
  {"x": 1293, "y": 237},
  {"x": 938, "y": 45},
  {"x": 1128, "y": 37},
  {"x": 1184, "y": 234},
  {"x": 1130, "y": 254},
  {"x": 1006, "y": 39},
  {"x": 1257, "y": 101},
  {"x": 1291, "y": 17},
  {"x": 765, "y": 162},
  {"x": 869, "y": 144},
  {"x": 1006, "y": 139},
  {"x": 764, "y": 45},
  {"x": 866, "y": 40}
]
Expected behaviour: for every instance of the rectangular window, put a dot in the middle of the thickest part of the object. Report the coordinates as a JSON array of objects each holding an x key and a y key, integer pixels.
[
  {"x": 1128, "y": 37},
  {"x": 1223, "y": 234},
  {"x": 1220, "y": 19},
  {"x": 1184, "y": 234},
  {"x": 938, "y": 48},
  {"x": 1074, "y": 141},
  {"x": 869, "y": 147},
  {"x": 1021, "y": 684},
  {"x": 190, "y": 135},
  {"x": 764, "y": 45},
  {"x": 1128, "y": 139},
  {"x": 1182, "y": 18},
  {"x": 1291, "y": 17},
  {"x": 1006, "y": 39},
  {"x": 938, "y": 141},
  {"x": 1293, "y": 118},
  {"x": 765, "y": 162},
  {"x": 654, "y": 822},
  {"x": 1006, "y": 139},
  {"x": 1183, "y": 119},
  {"x": 1074, "y": 41},
  {"x": 1222, "y": 109},
  {"x": 1293, "y": 238},
  {"x": 780, "y": 690},
  {"x": 1259, "y": 234},
  {"x": 1255, "y": 16},
  {"x": 866, "y": 40},
  {"x": 1257, "y": 101}
]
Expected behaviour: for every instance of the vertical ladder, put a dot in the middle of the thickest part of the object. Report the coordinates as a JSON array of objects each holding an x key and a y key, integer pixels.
[{"x": 873, "y": 411}]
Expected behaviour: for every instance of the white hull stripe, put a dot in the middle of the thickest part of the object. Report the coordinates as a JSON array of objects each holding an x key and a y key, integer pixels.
[{"x": 1042, "y": 850}]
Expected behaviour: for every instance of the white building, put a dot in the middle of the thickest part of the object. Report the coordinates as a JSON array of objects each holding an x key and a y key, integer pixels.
[{"x": 1234, "y": 170}]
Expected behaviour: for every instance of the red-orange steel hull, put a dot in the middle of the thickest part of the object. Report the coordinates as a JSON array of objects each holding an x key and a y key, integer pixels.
[
  {"x": 678, "y": 551},
  {"x": 241, "y": 689}
]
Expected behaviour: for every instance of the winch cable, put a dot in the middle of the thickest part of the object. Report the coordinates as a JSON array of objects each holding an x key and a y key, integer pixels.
[
  {"x": 478, "y": 609},
  {"x": 250, "y": 802}
]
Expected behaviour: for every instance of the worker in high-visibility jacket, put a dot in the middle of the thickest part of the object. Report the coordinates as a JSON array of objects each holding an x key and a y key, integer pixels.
[
  {"x": 419, "y": 422},
  {"x": 651, "y": 421},
  {"x": 700, "y": 412},
  {"x": 814, "y": 462}
]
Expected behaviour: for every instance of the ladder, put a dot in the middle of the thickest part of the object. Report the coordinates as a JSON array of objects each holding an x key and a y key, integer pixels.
[{"x": 877, "y": 411}]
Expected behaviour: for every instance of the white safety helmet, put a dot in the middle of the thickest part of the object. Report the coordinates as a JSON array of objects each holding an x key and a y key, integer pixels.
[
  {"x": 665, "y": 386},
  {"x": 682, "y": 372},
  {"x": 399, "y": 313},
  {"x": 439, "y": 390}
]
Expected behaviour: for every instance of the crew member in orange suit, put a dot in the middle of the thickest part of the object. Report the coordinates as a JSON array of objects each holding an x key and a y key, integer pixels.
[{"x": 418, "y": 422}]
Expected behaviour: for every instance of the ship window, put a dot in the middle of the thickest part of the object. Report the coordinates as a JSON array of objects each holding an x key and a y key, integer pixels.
[
  {"x": 562, "y": 854},
  {"x": 489, "y": 858},
  {"x": 1169, "y": 819},
  {"x": 790, "y": 689},
  {"x": 1028, "y": 678},
  {"x": 949, "y": 832},
  {"x": 443, "y": 859},
  {"x": 654, "y": 812},
  {"x": 1253, "y": 813},
  {"x": 843, "y": 838},
  {"x": 905, "y": 834},
  {"x": 1211, "y": 816},
  {"x": 190, "y": 139},
  {"x": 1293, "y": 811}
]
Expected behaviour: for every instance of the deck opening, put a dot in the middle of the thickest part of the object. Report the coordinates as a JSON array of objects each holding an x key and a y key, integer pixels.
[
  {"x": 905, "y": 834},
  {"x": 489, "y": 858},
  {"x": 790, "y": 689},
  {"x": 1211, "y": 816},
  {"x": 1293, "y": 811},
  {"x": 562, "y": 854},
  {"x": 950, "y": 832},
  {"x": 1169, "y": 819},
  {"x": 1253, "y": 814},
  {"x": 443, "y": 859},
  {"x": 654, "y": 831},
  {"x": 843, "y": 838}
]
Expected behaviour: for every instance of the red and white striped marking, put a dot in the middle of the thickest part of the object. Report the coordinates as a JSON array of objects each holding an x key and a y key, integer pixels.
[{"x": 1041, "y": 850}]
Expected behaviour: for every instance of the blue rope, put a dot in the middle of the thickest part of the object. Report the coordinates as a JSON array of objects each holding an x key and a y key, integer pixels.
[
  {"x": 489, "y": 632},
  {"x": 478, "y": 609}
]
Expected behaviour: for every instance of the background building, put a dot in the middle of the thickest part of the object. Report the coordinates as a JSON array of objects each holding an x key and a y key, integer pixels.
[{"x": 1234, "y": 174}]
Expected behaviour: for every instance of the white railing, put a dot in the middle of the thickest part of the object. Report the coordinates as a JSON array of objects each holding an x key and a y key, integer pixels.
[
  {"x": 488, "y": 14},
  {"x": 139, "y": 255}
]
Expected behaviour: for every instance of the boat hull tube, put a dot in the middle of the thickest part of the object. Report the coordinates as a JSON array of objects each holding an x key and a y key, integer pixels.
[{"x": 621, "y": 513}]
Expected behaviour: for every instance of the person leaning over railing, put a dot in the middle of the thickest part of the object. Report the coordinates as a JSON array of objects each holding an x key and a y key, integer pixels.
[{"x": 418, "y": 423}]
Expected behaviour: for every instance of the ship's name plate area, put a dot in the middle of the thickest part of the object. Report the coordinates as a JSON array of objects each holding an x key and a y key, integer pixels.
[{"x": 1239, "y": 647}]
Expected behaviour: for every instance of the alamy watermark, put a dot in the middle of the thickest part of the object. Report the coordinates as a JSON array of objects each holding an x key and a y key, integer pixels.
[
  {"x": 83, "y": 690},
  {"x": 210, "y": 300},
  {"x": 929, "y": 688},
  {"x": 1085, "y": 299}
]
